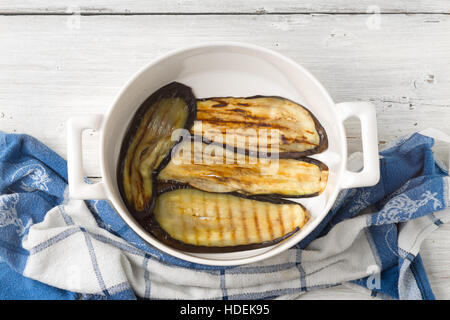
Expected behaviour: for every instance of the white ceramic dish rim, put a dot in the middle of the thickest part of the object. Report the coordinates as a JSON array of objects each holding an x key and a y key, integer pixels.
[{"x": 78, "y": 189}]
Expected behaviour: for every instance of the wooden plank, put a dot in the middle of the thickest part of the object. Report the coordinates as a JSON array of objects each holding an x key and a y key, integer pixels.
[
  {"x": 53, "y": 67},
  {"x": 224, "y": 6}
]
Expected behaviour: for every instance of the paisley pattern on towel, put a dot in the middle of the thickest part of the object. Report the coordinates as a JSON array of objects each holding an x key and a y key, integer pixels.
[{"x": 32, "y": 177}]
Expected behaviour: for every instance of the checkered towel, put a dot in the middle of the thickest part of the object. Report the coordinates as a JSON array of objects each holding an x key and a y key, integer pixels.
[{"x": 54, "y": 248}]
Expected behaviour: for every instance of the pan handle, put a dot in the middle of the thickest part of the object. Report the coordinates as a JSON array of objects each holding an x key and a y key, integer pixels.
[
  {"x": 370, "y": 174},
  {"x": 78, "y": 187}
]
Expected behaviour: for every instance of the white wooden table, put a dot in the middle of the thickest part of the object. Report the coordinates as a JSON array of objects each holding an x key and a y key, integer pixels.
[{"x": 61, "y": 58}]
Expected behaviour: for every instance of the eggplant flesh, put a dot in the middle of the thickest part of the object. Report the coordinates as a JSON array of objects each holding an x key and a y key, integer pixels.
[
  {"x": 149, "y": 139},
  {"x": 194, "y": 220},
  {"x": 215, "y": 169},
  {"x": 260, "y": 124}
]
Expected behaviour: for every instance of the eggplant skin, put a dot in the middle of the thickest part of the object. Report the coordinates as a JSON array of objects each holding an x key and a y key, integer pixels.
[
  {"x": 197, "y": 221},
  {"x": 147, "y": 143},
  {"x": 300, "y": 133},
  {"x": 214, "y": 169}
]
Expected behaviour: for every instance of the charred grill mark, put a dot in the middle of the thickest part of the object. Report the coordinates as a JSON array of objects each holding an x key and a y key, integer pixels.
[
  {"x": 204, "y": 208},
  {"x": 219, "y": 222},
  {"x": 166, "y": 186},
  {"x": 184, "y": 230},
  {"x": 195, "y": 232},
  {"x": 140, "y": 205},
  {"x": 280, "y": 219},
  {"x": 244, "y": 176},
  {"x": 205, "y": 115},
  {"x": 233, "y": 112},
  {"x": 141, "y": 202},
  {"x": 269, "y": 222},
  {"x": 287, "y": 140},
  {"x": 256, "y": 220},
  {"x": 306, "y": 142},
  {"x": 260, "y": 119},
  {"x": 138, "y": 195},
  {"x": 132, "y": 155},
  {"x": 245, "y": 222},
  {"x": 244, "y": 123},
  {"x": 203, "y": 231},
  {"x": 195, "y": 240},
  {"x": 292, "y": 214},
  {"x": 230, "y": 215},
  {"x": 239, "y": 110},
  {"x": 219, "y": 104}
]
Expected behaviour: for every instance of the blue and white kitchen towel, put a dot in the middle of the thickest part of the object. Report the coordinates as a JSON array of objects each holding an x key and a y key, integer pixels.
[{"x": 54, "y": 248}]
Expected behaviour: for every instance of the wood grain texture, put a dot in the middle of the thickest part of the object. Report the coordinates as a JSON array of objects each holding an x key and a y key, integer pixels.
[
  {"x": 53, "y": 67},
  {"x": 51, "y": 70},
  {"x": 224, "y": 6}
]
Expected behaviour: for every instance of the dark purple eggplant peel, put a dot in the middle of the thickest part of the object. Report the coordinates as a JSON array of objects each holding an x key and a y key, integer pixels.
[
  {"x": 220, "y": 206},
  {"x": 289, "y": 178},
  {"x": 148, "y": 141},
  {"x": 197, "y": 221},
  {"x": 299, "y": 133}
]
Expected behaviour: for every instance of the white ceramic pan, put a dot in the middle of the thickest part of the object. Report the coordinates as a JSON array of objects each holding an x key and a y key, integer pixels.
[{"x": 227, "y": 69}]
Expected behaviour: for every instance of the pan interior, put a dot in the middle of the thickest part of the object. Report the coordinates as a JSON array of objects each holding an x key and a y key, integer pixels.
[{"x": 231, "y": 70}]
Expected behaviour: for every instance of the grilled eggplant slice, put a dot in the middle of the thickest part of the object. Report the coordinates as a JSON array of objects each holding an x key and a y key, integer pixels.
[
  {"x": 148, "y": 141},
  {"x": 275, "y": 123},
  {"x": 198, "y": 221},
  {"x": 215, "y": 169}
]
